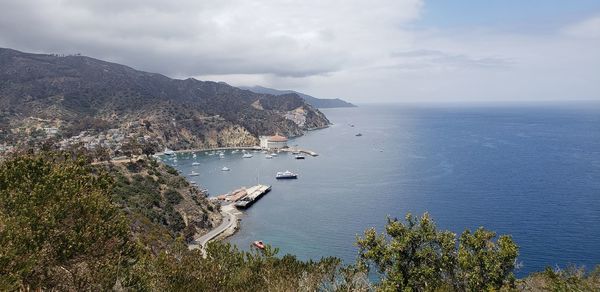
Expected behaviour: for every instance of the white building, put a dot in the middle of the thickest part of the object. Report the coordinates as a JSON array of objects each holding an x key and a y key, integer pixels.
[{"x": 273, "y": 142}]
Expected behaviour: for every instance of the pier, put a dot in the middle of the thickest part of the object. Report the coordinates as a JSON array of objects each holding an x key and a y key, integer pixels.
[
  {"x": 300, "y": 150},
  {"x": 252, "y": 195}
]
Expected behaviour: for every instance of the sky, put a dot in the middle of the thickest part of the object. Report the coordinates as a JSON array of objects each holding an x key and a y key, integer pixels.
[{"x": 361, "y": 51}]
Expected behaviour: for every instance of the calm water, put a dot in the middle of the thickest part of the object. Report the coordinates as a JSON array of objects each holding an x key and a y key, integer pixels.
[{"x": 533, "y": 172}]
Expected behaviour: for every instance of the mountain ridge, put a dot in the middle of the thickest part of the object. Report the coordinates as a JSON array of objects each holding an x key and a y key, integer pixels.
[
  {"x": 314, "y": 101},
  {"x": 75, "y": 94}
]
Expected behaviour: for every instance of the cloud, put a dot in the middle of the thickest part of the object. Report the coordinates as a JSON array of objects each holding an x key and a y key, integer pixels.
[
  {"x": 192, "y": 37},
  {"x": 417, "y": 59},
  {"x": 353, "y": 49},
  {"x": 587, "y": 28}
]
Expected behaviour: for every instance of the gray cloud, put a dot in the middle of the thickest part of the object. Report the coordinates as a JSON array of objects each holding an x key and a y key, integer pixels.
[
  {"x": 336, "y": 48},
  {"x": 427, "y": 58},
  {"x": 210, "y": 37}
]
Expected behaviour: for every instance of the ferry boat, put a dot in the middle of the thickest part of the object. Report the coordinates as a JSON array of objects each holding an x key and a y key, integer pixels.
[
  {"x": 299, "y": 156},
  {"x": 247, "y": 155},
  {"x": 259, "y": 244},
  {"x": 193, "y": 173},
  {"x": 225, "y": 168},
  {"x": 169, "y": 152},
  {"x": 286, "y": 175}
]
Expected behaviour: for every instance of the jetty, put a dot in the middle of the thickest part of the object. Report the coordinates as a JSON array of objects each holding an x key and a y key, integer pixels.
[
  {"x": 252, "y": 195},
  {"x": 300, "y": 150}
]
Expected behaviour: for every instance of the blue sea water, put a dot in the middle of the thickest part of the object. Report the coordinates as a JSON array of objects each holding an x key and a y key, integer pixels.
[{"x": 531, "y": 171}]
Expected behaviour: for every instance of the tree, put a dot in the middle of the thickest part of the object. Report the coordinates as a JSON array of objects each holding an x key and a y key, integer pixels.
[
  {"x": 58, "y": 229},
  {"x": 131, "y": 148},
  {"x": 415, "y": 256},
  {"x": 484, "y": 264}
]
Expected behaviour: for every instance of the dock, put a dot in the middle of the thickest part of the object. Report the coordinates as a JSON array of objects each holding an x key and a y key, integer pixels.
[
  {"x": 252, "y": 195},
  {"x": 299, "y": 150}
]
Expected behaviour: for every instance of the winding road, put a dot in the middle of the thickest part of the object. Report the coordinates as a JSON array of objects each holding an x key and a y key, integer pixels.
[{"x": 229, "y": 220}]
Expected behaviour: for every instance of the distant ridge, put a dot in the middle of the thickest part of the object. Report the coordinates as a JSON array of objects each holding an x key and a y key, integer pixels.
[{"x": 316, "y": 102}]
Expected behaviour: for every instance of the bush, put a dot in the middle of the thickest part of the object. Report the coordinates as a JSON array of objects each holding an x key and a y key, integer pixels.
[
  {"x": 58, "y": 228},
  {"x": 173, "y": 197},
  {"x": 416, "y": 256}
]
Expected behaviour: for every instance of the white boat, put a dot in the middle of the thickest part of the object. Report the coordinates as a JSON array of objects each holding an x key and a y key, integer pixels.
[
  {"x": 273, "y": 154},
  {"x": 195, "y": 163},
  {"x": 264, "y": 152},
  {"x": 193, "y": 173},
  {"x": 247, "y": 155},
  {"x": 221, "y": 155},
  {"x": 225, "y": 168},
  {"x": 268, "y": 156},
  {"x": 286, "y": 175},
  {"x": 194, "y": 155},
  {"x": 169, "y": 152}
]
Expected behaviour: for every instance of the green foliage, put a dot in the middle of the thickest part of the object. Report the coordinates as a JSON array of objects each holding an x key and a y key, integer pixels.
[
  {"x": 173, "y": 197},
  {"x": 570, "y": 279},
  {"x": 228, "y": 269},
  {"x": 415, "y": 256},
  {"x": 58, "y": 227},
  {"x": 485, "y": 265}
]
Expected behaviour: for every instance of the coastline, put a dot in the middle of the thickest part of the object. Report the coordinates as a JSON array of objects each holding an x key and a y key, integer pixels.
[{"x": 229, "y": 226}]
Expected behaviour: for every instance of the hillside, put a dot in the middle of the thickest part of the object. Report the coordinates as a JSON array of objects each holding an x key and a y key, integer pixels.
[
  {"x": 60, "y": 96},
  {"x": 160, "y": 204},
  {"x": 316, "y": 102}
]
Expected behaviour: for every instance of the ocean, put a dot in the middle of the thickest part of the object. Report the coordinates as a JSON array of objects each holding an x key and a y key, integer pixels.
[{"x": 531, "y": 171}]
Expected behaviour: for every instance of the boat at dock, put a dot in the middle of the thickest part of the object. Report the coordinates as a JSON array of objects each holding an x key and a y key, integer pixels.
[
  {"x": 247, "y": 155},
  {"x": 168, "y": 152},
  {"x": 286, "y": 175},
  {"x": 221, "y": 155},
  {"x": 268, "y": 156}
]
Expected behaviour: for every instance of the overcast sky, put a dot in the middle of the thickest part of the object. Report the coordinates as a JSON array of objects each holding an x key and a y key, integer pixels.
[{"x": 362, "y": 51}]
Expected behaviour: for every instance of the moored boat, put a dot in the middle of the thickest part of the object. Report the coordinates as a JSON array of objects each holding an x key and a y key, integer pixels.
[
  {"x": 286, "y": 175},
  {"x": 259, "y": 244}
]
